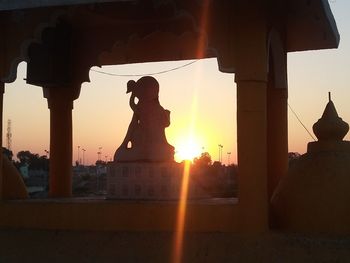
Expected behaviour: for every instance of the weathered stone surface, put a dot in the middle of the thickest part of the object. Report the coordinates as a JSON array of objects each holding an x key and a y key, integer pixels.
[
  {"x": 314, "y": 197},
  {"x": 106, "y": 246},
  {"x": 14, "y": 187}
]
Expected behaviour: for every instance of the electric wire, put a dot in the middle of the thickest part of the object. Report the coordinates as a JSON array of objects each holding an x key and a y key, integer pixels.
[
  {"x": 302, "y": 124},
  {"x": 182, "y": 66},
  {"x": 148, "y": 74}
]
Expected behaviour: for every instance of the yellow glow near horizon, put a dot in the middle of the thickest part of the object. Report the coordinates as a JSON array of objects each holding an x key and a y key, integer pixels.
[
  {"x": 101, "y": 114},
  {"x": 188, "y": 149}
]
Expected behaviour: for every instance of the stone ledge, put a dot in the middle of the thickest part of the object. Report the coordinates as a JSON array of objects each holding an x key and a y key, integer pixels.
[{"x": 97, "y": 214}]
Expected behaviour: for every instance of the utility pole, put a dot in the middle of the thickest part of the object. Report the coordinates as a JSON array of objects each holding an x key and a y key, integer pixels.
[
  {"x": 9, "y": 135},
  {"x": 78, "y": 154},
  {"x": 228, "y": 158},
  {"x": 97, "y": 168},
  {"x": 220, "y": 152},
  {"x": 99, "y": 153},
  {"x": 83, "y": 156}
]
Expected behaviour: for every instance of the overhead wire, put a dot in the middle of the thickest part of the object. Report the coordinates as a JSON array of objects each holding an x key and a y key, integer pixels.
[
  {"x": 147, "y": 74},
  {"x": 302, "y": 124},
  {"x": 182, "y": 66}
]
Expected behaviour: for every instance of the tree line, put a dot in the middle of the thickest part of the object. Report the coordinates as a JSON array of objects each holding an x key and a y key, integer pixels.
[{"x": 33, "y": 160}]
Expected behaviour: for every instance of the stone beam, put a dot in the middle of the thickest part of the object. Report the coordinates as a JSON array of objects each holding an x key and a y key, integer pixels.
[{"x": 20, "y": 4}]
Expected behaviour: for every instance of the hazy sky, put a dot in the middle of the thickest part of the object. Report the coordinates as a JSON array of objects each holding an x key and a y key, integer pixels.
[{"x": 201, "y": 99}]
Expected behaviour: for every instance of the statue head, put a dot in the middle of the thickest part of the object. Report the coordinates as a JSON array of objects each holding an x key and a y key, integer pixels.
[{"x": 145, "y": 88}]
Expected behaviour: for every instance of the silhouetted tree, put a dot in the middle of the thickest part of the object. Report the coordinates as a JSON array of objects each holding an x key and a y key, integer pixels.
[
  {"x": 100, "y": 163},
  {"x": 25, "y": 157},
  {"x": 33, "y": 160},
  {"x": 203, "y": 160}
]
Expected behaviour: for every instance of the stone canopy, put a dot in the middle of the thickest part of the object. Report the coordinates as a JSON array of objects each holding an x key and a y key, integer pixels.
[
  {"x": 127, "y": 29},
  {"x": 62, "y": 39}
]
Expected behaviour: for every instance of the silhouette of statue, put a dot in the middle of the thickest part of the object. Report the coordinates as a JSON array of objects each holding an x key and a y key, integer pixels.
[{"x": 145, "y": 139}]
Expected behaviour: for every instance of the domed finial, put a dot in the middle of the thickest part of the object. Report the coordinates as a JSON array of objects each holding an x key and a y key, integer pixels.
[{"x": 330, "y": 127}]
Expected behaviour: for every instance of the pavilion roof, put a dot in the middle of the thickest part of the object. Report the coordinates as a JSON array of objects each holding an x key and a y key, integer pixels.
[
  {"x": 25, "y": 4},
  {"x": 128, "y": 30},
  {"x": 310, "y": 25}
]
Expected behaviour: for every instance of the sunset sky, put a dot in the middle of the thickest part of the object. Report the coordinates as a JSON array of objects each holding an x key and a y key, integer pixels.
[{"x": 201, "y": 99}]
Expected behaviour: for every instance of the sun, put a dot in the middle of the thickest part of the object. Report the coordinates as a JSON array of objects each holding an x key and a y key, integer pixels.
[{"x": 187, "y": 150}]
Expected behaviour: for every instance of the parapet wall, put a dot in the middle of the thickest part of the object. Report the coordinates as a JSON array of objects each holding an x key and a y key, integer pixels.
[
  {"x": 112, "y": 215},
  {"x": 108, "y": 246}
]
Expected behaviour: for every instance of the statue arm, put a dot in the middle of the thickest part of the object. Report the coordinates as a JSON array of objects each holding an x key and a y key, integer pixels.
[{"x": 132, "y": 103}]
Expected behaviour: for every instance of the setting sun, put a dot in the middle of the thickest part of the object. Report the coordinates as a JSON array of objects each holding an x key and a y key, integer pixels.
[{"x": 187, "y": 150}]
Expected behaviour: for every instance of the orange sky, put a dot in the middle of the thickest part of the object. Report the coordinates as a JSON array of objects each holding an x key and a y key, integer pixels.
[{"x": 201, "y": 99}]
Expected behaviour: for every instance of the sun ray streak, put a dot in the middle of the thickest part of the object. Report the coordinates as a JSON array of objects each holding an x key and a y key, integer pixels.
[
  {"x": 182, "y": 206},
  {"x": 181, "y": 215}
]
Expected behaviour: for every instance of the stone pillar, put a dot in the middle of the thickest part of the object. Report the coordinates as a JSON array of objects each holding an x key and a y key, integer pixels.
[
  {"x": 251, "y": 78},
  {"x": 2, "y": 88},
  {"x": 60, "y": 103},
  {"x": 252, "y": 156},
  {"x": 277, "y": 136},
  {"x": 277, "y": 112}
]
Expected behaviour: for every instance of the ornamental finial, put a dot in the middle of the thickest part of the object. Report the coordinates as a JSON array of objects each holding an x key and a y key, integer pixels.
[{"x": 330, "y": 127}]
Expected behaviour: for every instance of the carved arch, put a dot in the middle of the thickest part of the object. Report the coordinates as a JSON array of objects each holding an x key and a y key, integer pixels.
[
  {"x": 20, "y": 39},
  {"x": 179, "y": 33}
]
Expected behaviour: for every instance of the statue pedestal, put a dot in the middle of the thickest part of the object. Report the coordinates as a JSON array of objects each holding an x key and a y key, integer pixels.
[{"x": 148, "y": 181}]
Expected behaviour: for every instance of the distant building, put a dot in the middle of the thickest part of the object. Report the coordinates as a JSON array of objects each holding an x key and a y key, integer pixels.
[
  {"x": 24, "y": 171},
  {"x": 37, "y": 181},
  {"x": 218, "y": 180},
  {"x": 152, "y": 181}
]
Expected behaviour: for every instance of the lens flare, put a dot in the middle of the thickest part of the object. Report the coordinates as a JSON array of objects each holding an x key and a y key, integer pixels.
[
  {"x": 181, "y": 213},
  {"x": 188, "y": 150}
]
